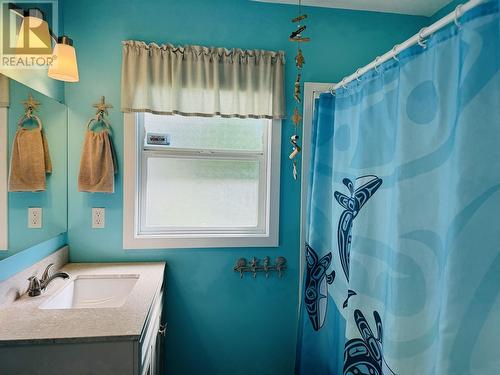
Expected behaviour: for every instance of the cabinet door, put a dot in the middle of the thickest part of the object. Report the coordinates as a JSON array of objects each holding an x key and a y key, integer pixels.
[
  {"x": 152, "y": 350},
  {"x": 160, "y": 350},
  {"x": 147, "y": 365}
]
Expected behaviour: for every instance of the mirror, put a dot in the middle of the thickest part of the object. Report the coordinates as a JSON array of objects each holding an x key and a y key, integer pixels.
[
  {"x": 15, "y": 231},
  {"x": 38, "y": 80},
  {"x": 27, "y": 48}
]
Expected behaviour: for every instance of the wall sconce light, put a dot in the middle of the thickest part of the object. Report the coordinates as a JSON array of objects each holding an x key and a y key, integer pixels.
[
  {"x": 34, "y": 36},
  {"x": 64, "y": 67}
]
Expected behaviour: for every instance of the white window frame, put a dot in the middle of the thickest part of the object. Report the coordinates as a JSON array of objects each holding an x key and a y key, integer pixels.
[
  {"x": 135, "y": 237},
  {"x": 312, "y": 91},
  {"x": 4, "y": 207}
]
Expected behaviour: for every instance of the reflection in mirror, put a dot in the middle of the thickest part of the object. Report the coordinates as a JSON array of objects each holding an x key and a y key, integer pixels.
[
  {"x": 23, "y": 223},
  {"x": 38, "y": 80},
  {"x": 31, "y": 29}
]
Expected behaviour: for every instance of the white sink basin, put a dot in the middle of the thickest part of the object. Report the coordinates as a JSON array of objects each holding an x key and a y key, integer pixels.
[{"x": 93, "y": 291}]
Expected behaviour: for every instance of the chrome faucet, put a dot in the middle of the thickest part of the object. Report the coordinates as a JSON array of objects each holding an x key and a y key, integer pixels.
[{"x": 37, "y": 285}]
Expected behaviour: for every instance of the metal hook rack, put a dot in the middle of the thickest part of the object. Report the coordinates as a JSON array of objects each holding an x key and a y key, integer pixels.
[{"x": 254, "y": 266}]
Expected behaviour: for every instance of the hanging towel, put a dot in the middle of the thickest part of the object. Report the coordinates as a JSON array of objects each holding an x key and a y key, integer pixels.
[
  {"x": 30, "y": 161},
  {"x": 97, "y": 164}
]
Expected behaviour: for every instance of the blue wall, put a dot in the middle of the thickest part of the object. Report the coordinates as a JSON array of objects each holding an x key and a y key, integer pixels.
[
  {"x": 37, "y": 80},
  {"x": 218, "y": 324},
  {"x": 446, "y": 10},
  {"x": 54, "y": 199},
  {"x": 24, "y": 259}
]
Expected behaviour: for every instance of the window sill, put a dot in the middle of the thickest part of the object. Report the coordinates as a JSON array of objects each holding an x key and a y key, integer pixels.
[{"x": 189, "y": 242}]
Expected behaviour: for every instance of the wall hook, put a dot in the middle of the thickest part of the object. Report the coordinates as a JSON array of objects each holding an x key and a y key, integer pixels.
[
  {"x": 30, "y": 106},
  {"x": 254, "y": 263},
  {"x": 254, "y": 266},
  {"x": 240, "y": 265},
  {"x": 280, "y": 265},
  {"x": 101, "y": 115},
  {"x": 102, "y": 108},
  {"x": 267, "y": 260}
]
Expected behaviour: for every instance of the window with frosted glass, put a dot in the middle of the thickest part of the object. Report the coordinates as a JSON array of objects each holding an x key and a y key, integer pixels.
[{"x": 209, "y": 177}]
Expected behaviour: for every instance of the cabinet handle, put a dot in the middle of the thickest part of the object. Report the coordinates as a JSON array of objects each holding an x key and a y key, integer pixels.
[{"x": 163, "y": 329}]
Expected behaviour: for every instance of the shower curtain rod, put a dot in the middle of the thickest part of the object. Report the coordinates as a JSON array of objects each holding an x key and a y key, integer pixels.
[{"x": 419, "y": 38}]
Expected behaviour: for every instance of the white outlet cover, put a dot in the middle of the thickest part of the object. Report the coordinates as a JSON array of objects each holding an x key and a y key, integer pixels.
[
  {"x": 98, "y": 217},
  {"x": 35, "y": 217}
]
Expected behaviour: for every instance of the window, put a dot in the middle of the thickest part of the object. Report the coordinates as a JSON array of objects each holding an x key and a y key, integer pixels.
[{"x": 200, "y": 181}]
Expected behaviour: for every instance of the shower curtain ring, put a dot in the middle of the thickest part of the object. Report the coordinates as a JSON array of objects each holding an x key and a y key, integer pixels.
[
  {"x": 358, "y": 74},
  {"x": 395, "y": 52},
  {"x": 458, "y": 14},
  {"x": 342, "y": 84},
  {"x": 377, "y": 59},
  {"x": 421, "y": 41}
]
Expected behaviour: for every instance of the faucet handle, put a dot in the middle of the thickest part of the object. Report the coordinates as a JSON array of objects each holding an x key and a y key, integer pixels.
[
  {"x": 35, "y": 286},
  {"x": 47, "y": 273}
]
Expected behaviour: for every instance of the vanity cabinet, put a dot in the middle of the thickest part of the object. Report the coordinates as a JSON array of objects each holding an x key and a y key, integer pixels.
[
  {"x": 92, "y": 355},
  {"x": 150, "y": 345}
]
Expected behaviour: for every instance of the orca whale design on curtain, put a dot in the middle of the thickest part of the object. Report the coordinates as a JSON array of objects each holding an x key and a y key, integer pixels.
[
  {"x": 316, "y": 286},
  {"x": 352, "y": 205},
  {"x": 402, "y": 261},
  {"x": 364, "y": 355}
]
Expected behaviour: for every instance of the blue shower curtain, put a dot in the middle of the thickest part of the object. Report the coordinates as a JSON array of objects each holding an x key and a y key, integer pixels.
[{"x": 402, "y": 253}]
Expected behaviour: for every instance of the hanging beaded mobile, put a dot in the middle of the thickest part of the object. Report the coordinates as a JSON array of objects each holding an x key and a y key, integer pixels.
[{"x": 296, "y": 36}]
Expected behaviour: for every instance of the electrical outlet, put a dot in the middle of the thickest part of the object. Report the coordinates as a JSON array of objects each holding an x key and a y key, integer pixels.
[
  {"x": 98, "y": 217},
  {"x": 35, "y": 217}
]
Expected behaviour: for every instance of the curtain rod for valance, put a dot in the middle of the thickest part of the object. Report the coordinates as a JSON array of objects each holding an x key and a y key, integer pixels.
[
  {"x": 419, "y": 38},
  {"x": 199, "y": 50}
]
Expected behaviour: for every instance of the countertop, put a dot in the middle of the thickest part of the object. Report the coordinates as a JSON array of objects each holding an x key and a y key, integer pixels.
[{"x": 22, "y": 322}]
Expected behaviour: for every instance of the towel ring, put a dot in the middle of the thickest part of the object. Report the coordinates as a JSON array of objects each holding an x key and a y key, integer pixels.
[
  {"x": 100, "y": 115},
  {"x": 100, "y": 120},
  {"x": 29, "y": 116}
]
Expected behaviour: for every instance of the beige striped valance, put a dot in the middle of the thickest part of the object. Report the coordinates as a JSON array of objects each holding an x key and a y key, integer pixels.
[{"x": 202, "y": 81}]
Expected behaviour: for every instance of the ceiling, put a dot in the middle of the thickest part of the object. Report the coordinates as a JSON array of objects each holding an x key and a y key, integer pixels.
[{"x": 413, "y": 7}]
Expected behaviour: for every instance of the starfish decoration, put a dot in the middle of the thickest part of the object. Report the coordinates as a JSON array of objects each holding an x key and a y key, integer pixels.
[
  {"x": 296, "y": 117},
  {"x": 30, "y": 104},
  {"x": 102, "y": 107}
]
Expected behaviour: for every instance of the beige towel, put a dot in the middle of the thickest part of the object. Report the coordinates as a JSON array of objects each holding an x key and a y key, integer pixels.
[
  {"x": 97, "y": 164},
  {"x": 30, "y": 161}
]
